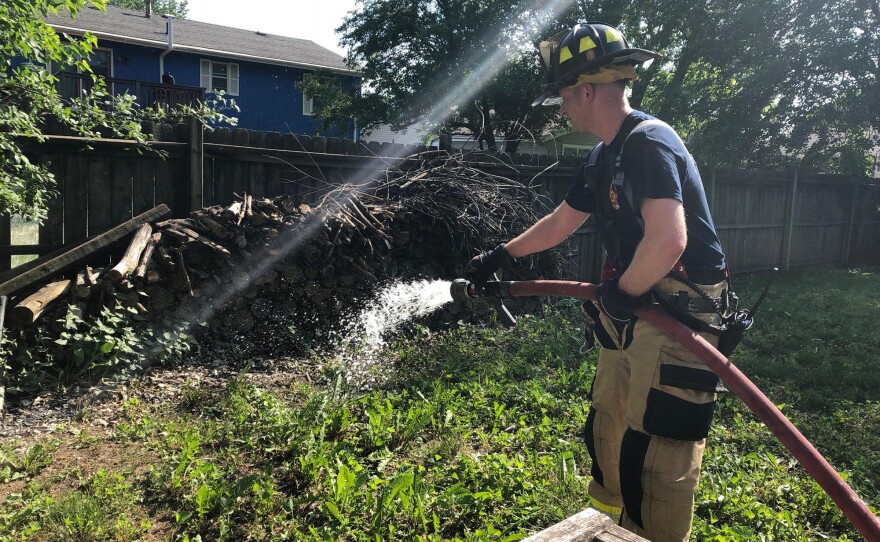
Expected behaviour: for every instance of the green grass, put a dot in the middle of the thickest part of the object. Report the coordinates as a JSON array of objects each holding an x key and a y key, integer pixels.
[
  {"x": 24, "y": 233},
  {"x": 476, "y": 436}
]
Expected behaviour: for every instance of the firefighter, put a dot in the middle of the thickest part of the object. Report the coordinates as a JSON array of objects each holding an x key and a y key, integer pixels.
[{"x": 652, "y": 400}]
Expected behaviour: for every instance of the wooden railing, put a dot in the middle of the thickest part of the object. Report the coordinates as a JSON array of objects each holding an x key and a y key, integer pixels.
[{"x": 146, "y": 94}]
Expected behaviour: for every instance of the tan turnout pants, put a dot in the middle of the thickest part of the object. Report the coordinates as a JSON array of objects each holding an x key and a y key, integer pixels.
[{"x": 652, "y": 405}]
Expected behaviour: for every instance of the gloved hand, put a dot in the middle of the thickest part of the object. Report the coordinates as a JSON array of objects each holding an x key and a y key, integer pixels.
[
  {"x": 481, "y": 267},
  {"x": 616, "y": 304}
]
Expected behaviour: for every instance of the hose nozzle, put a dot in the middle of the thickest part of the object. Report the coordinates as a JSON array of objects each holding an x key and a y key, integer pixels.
[{"x": 463, "y": 291}]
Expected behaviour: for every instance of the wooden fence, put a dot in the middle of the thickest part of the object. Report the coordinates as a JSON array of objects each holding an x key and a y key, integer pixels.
[{"x": 765, "y": 218}]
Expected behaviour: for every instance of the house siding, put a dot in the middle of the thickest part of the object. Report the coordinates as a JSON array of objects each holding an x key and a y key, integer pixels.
[{"x": 268, "y": 97}]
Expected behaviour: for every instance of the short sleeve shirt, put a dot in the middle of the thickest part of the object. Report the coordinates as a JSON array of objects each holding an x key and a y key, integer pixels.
[{"x": 656, "y": 165}]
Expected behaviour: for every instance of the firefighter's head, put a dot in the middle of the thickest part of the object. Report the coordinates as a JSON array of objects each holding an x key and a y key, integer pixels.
[{"x": 587, "y": 53}]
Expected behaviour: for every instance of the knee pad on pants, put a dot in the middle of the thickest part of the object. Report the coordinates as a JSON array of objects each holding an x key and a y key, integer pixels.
[{"x": 658, "y": 478}]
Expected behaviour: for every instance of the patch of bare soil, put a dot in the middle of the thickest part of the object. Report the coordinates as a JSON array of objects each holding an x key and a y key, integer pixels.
[{"x": 81, "y": 421}]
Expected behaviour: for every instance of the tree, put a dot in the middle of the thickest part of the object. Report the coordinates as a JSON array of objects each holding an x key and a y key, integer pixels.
[
  {"x": 177, "y": 8},
  {"x": 761, "y": 82},
  {"x": 755, "y": 83},
  {"x": 30, "y": 104},
  {"x": 460, "y": 64}
]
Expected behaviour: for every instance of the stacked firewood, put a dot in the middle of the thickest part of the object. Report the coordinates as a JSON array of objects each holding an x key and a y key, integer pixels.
[{"x": 276, "y": 272}]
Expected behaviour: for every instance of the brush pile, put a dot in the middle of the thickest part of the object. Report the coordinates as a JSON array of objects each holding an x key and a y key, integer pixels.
[{"x": 273, "y": 275}]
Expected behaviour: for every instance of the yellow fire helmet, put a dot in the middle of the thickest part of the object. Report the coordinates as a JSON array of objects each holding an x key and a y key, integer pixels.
[{"x": 585, "y": 49}]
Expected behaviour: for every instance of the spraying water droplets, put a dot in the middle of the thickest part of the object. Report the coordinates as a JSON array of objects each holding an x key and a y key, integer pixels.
[{"x": 390, "y": 308}]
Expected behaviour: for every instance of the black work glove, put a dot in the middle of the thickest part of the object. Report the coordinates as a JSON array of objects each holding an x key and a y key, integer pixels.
[
  {"x": 616, "y": 304},
  {"x": 481, "y": 268}
]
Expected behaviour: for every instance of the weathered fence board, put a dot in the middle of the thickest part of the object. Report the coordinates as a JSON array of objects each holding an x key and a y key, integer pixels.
[
  {"x": 75, "y": 189},
  {"x": 764, "y": 218}
]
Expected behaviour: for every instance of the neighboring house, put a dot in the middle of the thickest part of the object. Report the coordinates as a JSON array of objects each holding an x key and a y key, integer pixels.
[
  {"x": 169, "y": 60},
  {"x": 552, "y": 143}
]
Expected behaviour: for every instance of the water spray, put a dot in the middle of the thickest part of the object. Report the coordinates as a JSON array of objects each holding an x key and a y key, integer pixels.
[{"x": 815, "y": 464}]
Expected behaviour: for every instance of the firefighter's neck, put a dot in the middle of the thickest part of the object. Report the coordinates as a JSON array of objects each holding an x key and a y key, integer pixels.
[{"x": 610, "y": 108}]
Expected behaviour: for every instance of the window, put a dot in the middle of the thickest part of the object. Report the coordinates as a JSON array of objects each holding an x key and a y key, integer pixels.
[
  {"x": 574, "y": 150},
  {"x": 309, "y": 103},
  {"x": 217, "y": 76}
]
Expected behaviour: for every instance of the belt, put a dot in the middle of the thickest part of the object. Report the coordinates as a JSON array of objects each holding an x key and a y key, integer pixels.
[{"x": 710, "y": 276}]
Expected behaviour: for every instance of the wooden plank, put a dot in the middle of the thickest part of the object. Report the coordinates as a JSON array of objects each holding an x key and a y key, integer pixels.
[
  {"x": 76, "y": 199},
  {"x": 172, "y": 187},
  {"x": 222, "y": 182},
  {"x": 100, "y": 183},
  {"x": 789, "y": 222},
  {"x": 5, "y": 240},
  {"x": 50, "y": 265},
  {"x": 847, "y": 240},
  {"x": 17, "y": 250},
  {"x": 259, "y": 180},
  {"x": 122, "y": 180},
  {"x": 51, "y": 231},
  {"x": 196, "y": 164},
  {"x": 143, "y": 195},
  {"x": 208, "y": 182},
  {"x": 588, "y": 525}
]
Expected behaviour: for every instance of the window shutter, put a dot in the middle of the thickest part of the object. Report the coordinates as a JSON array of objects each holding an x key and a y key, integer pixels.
[
  {"x": 206, "y": 75},
  {"x": 233, "y": 79}
]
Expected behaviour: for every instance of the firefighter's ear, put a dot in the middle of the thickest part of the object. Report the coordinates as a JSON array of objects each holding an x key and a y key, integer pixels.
[{"x": 587, "y": 90}]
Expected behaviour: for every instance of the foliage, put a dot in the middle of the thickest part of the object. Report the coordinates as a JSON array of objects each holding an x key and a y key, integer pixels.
[
  {"x": 761, "y": 82},
  {"x": 476, "y": 436},
  {"x": 30, "y": 104},
  {"x": 757, "y": 82},
  {"x": 177, "y": 8},
  {"x": 460, "y": 64},
  {"x": 87, "y": 348}
]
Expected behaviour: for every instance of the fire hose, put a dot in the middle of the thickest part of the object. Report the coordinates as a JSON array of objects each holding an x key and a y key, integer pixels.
[{"x": 815, "y": 464}]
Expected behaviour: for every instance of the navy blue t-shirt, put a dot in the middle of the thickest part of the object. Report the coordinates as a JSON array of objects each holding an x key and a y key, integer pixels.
[{"x": 656, "y": 165}]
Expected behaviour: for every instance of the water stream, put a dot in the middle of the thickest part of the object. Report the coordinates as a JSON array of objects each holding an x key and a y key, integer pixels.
[{"x": 363, "y": 339}]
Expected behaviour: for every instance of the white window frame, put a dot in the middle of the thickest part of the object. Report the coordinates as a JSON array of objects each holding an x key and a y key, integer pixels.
[
  {"x": 581, "y": 149},
  {"x": 308, "y": 106},
  {"x": 206, "y": 74},
  {"x": 308, "y": 102}
]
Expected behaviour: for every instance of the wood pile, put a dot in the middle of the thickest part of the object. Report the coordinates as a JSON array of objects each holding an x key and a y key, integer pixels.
[{"x": 275, "y": 272}]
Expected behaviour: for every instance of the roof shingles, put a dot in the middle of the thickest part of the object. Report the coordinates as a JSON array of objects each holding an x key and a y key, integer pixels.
[{"x": 197, "y": 36}]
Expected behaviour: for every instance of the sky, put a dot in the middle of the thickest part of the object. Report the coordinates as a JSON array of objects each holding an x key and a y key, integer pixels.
[{"x": 307, "y": 19}]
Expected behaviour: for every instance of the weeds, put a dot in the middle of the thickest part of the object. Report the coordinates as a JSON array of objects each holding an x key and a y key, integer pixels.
[{"x": 476, "y": 436}]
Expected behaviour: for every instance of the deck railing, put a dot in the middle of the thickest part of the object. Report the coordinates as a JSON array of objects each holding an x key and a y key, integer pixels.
[{"x": 147, "y": 94}]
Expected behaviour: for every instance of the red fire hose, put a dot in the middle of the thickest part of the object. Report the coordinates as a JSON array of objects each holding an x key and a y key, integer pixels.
[{"x": 846, "y": 499}]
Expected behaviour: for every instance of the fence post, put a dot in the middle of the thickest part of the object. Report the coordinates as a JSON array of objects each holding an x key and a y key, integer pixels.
[
  {"x": 789, "y": 223},
  {"x": 710, "y": 190},
  {"x": 847, "y": 241},
  {"x": 196, "y": 163}
]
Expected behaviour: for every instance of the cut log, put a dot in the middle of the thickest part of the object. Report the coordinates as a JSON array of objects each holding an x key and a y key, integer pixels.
[
  {"x": 231, "y": 213},
  {"x": 51, "y": 265},
  {"x": 83, "y": 288},
  {"x": 132, "y": 255},
  {"x": 214, "y": 227},
  {"x": 30, "y": 308},
  {"x": 141, "y": 270},
  {"x": 92, "y": 276},
  {"x": 186, "y": 235}
]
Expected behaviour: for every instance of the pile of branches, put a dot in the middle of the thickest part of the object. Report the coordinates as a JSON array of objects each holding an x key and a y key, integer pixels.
[{"x": 274, "y": 274}]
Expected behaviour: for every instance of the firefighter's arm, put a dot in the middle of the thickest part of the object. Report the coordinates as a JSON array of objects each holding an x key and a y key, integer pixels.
[
  {"x": 547, "y": 232},
  {"x": 664, "y": 241}
]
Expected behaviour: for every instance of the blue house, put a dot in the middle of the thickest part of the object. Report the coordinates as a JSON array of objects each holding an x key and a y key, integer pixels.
[{"x": 157, "y": 57}]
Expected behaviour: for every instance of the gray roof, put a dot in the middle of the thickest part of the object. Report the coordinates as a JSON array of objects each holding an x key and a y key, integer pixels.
[{"x": 127, "y": 26}]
